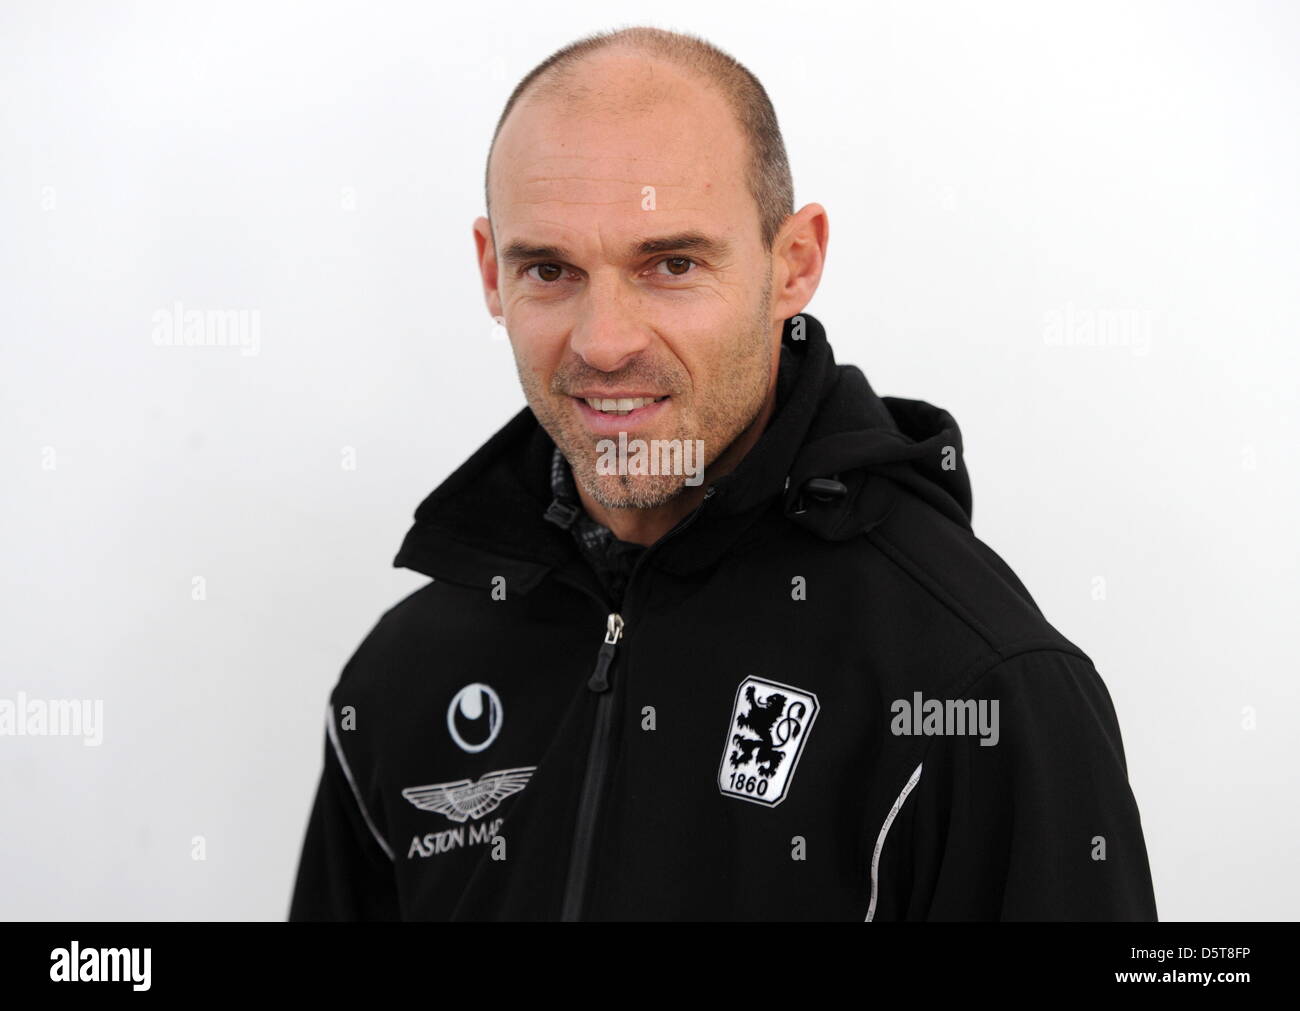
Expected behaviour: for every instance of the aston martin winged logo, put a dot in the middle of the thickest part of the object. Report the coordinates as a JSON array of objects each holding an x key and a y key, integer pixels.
[{"x": 465, "y": 798}]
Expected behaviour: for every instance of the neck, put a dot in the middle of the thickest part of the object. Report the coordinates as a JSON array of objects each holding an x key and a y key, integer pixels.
[{"x": 645, "y": 526}]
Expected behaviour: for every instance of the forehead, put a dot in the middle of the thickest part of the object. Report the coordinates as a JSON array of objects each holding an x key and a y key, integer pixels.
[{"x": 583, "y": 163}]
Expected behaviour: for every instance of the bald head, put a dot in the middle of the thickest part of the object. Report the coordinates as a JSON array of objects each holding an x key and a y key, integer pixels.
[{"x": 633, "y": 70}]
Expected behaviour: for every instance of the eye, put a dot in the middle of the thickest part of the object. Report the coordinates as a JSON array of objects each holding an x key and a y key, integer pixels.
[
  {"x": 547, "y": 268},
  {"x": 678, "y": 261}
]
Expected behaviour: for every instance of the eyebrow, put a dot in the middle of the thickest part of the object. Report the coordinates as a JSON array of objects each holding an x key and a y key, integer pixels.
[{"x": 521, "y": 251}]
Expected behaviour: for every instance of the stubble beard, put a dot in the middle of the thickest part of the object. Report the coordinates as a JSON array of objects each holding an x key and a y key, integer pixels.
[{"x": 721, "y": 418}]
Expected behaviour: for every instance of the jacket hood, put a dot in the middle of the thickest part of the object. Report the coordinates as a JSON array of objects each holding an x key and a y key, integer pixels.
[{"x": 835, "y": 455}]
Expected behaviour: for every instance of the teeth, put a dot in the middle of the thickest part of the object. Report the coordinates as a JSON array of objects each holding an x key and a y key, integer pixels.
[{"x": 623, "y": 405}]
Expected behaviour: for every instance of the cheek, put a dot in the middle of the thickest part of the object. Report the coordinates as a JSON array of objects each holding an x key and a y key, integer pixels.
[
  {"x": 711, "y": 360},
  {"x": 730, "y": 373},
  {"x": 537, "y": 352}
]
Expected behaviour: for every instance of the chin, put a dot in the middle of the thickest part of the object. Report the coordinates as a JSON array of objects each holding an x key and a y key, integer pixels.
[{"x": 633, "y": 491}]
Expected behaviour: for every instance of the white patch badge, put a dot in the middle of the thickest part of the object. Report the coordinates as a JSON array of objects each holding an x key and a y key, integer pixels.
[{"x": 769, "y": 726}]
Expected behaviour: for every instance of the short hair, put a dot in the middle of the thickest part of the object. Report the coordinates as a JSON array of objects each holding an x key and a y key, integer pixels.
[{"x": 767, "y": 171}]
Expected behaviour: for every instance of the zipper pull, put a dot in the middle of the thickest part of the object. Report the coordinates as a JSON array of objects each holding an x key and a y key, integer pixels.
[{"x": 599, "y": 681}]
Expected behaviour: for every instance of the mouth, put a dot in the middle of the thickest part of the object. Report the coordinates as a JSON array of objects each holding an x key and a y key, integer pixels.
[
  {"x": 619, "y": 406},
  {"x": 606, "y": 414}
]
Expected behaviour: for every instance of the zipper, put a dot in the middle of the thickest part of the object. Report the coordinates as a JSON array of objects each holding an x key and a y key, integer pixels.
[
  {"x": 575, "y": 888},
  {"x": 597, "y": 758},
  {"x": 613, "y": 632}
]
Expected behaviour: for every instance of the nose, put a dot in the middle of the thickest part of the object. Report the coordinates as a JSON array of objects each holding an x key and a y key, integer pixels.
[{"x": 609, "y": 336}]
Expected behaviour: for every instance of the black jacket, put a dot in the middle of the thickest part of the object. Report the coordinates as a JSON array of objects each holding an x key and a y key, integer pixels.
[{"x": 754, "y": 733}]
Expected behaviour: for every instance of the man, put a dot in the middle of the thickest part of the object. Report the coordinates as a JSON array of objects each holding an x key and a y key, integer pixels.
[{"x": 709, "y": 635}]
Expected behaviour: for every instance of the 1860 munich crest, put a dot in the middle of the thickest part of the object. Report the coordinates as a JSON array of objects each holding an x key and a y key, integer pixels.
[{"x": 769, "y": 726}]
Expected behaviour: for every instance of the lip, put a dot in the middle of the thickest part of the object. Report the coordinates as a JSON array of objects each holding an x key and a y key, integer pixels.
[
  {"x": 612, "y": 424},
  {"x": 616, "y": 394}
]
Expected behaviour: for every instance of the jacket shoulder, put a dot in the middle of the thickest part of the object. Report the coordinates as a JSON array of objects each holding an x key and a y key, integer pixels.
[
  {"x": 385, "y": 649},
  {"x": 962, "y": 581}
]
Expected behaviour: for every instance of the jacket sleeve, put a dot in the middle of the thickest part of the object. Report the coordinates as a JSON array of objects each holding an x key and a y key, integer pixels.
[
  {"x": 1042, "y": 825},
  {"x": 345, "y": 871}
]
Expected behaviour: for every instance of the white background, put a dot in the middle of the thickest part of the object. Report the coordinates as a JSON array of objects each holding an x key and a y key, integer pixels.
[{"x": 985, "y": 166}]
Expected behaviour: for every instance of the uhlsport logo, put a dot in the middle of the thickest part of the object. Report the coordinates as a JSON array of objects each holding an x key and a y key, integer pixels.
[
  {"x": 769, "y": 727},
  {"x": 474, "y": 717}
]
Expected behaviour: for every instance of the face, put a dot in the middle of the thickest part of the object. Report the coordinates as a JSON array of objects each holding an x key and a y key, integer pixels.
[{"x": 629, "y": 268}]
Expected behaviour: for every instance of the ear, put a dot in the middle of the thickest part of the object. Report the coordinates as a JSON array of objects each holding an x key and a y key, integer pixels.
[
  {"x": 798, "y": 256},
  {"x": 485, "y": 250}
]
